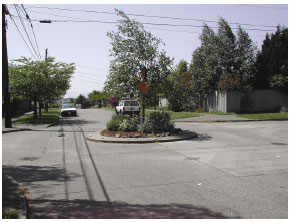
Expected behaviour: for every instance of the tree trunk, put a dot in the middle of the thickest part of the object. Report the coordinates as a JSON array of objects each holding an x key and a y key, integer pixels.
[
  {"x": 46, "y": 107},
  {"x": 34, "y": 109},
  {"x": 143, "y": 110},
  {"x": 39, "y": 110}
]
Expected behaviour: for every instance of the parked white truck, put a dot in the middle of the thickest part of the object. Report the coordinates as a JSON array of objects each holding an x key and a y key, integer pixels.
[{"x": 128, "y": 107}]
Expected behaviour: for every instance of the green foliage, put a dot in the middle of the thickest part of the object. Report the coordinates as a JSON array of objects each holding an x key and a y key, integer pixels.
[
  {"x": 40, "y": 81},
  {"x": 10, "y": 214},
  {"x": 98, "y": 97},
  {"x": 43, "y": 81},
  {"x": 179, "y": 93},
  {"x": 272, "y": 61},
  {"x": 81, "y": 99},
  {"x": 116, "y": 120},
  {"x": 46, "y": 118},
  {"x": 157, "y": 122},
  {"x": 223, "y": 61},
  {"x": 283, "y": 115},
  {"x": 132, "y": 49},
  {"x": 130, "y": 124}
]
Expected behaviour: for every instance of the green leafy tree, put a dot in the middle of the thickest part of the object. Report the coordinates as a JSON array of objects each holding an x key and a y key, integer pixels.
[
  {"x": 81, "y": 99},
  {"x": 132, "y": 49},
  {"x": 204, "y": 68},
  {"x": 179, "y": 92},
  {"x": 223, "y": 61},
  {"x": 98, "y": 97},
  {"x": 272, "y": 61},
  {"x": 39, "y": 81}
]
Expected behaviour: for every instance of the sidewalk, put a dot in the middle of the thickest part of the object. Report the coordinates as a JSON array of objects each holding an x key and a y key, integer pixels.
[
  {"x": 214, "y": 118},
  {"x": 12, "y": 195}
]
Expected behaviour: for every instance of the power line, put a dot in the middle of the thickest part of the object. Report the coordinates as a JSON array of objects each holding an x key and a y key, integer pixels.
[
  {"x": 22, "y": 37},
  {"x": 145, "y": 23},
  {"x": 38, "y": 55},
  {"x": 84, "y": 19},
  {"x": 265, "y": 7},
  {"x": 80, "y": 20},
  {"x": 152, "y": 16},
  {"x": 171, "y": 30},
  {"x": 27, "y": 17}
]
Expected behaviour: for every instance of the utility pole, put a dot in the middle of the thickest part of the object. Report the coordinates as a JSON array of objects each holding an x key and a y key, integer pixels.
[
  {"x": 5, "y": 75},
  {"x": 46, "y": 104}
]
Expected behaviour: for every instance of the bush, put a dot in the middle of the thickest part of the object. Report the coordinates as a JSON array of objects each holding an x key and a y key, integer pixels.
[
  {"x": 113, "y": 124},
  {"x": 130, "y": 124},
  {"x": 157, "y": 122}
]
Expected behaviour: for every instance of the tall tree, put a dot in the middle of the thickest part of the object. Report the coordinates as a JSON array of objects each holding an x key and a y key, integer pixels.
[
  {"x": 223, "y": 61},
  {"x": 179, "y": 94},
  {"x": 272, "y": 61},
  {"x": 81, "y": 99},
  {"x": 132, "y": 49},
  {"x": 40, "y": 81},
  {"x": 205, "y": 67}
]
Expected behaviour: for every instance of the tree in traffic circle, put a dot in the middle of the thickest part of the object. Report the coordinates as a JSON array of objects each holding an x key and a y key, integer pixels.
[{"x": 132, "y": 49}]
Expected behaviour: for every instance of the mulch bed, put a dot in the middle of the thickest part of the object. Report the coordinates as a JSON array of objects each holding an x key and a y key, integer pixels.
[{"x": 118, "y": 134}]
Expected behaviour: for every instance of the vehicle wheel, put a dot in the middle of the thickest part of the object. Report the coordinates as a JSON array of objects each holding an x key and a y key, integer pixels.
[
  {"x": 116, "y": 112},
  {"x": 120, "y": 112}
]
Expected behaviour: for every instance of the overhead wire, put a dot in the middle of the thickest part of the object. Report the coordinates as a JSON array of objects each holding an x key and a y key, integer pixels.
[
  {"x": 17, "y": 11},
  {"x": 146, "y": 23},
  {"x": 22, "y": 37},
  {"x": 149, "y": 16},
  {"x": 28, "y": 18}
]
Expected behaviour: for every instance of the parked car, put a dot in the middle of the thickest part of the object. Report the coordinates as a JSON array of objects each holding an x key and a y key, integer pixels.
[
  {"x": 68, "y": 109},
  {"x": 128, "y": 107}
]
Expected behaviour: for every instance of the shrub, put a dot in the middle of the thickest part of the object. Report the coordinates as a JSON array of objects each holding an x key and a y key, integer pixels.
[
  {"x": 130, "y": 124},
  {"x": 157, "y": 122},
  {"x": 113, "y": 124}
]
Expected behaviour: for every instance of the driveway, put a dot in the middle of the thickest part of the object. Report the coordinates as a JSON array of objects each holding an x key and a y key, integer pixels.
[{"x": 233, "y": 170}]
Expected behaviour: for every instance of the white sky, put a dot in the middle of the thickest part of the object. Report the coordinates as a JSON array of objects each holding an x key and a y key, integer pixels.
[{"x": 87, "y": 45}]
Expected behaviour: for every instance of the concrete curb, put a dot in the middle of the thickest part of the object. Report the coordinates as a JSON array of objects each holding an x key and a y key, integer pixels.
[
  {"x": 11, "y": 130},
  {"x": 96, "y": 137},
  {"x": 227, "y": 121},
  {"x": 13, "y": 196}
]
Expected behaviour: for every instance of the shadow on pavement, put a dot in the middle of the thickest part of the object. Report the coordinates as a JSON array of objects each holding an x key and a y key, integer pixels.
[
  {"x": 118, "y": 210},
  {"x": 32, "y": 174},
  {"x": 202, "y": 137},
  {"x": 70, "y": 121}
]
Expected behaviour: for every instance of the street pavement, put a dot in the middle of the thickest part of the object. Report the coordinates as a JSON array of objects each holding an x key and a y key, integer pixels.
[{"x": 232, "y": 170}]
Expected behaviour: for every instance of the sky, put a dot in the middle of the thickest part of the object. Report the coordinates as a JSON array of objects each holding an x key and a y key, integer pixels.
[{"x": 88, "y": 46}]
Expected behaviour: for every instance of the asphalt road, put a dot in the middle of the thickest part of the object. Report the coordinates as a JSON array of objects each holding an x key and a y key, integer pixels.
[{"x": 233, "y": 170}]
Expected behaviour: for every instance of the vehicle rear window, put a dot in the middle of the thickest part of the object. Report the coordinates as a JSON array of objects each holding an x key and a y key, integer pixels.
[
  {"x": 131, "y": 103},
  {"x": 68, "y": 105}
]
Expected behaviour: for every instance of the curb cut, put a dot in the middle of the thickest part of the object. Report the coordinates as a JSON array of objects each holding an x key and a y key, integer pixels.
[{"x": 96, "y": 137}]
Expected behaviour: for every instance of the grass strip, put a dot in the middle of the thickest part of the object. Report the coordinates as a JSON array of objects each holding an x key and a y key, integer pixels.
[
  {"x": 45, "y": 118},
  {"x": 177, "y": 115},
  {"x": 261, "y": 116}
]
